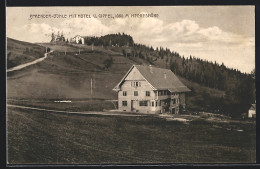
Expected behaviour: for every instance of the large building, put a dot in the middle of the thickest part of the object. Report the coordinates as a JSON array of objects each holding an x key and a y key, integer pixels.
[{"x": 149, "y": 89}]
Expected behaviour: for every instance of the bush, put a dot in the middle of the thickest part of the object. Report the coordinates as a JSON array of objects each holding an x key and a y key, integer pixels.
[{"x": 108, "y": 63}]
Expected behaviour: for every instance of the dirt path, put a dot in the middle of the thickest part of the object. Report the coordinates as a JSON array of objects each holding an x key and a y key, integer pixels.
[
  {"x": 28, "y": 64},
  {"x": 86, "y": 113}
]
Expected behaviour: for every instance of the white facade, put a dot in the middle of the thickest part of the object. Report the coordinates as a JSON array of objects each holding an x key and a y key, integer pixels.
[
  {"x": 77, "y": 39},
  {"x": 251, "y": 113},
  {"x": 138, "y": 95},
  {"x": 130, "y": 87}
]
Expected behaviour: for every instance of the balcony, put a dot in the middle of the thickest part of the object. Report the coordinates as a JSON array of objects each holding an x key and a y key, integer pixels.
[{"x": 163, "y": 97}]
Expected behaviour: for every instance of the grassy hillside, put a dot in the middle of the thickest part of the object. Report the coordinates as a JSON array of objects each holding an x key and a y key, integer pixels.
[
  {"x": 69, "y": 76},
  {"x": 202, "y": 98},
  {"x": 19, "y": 52}
]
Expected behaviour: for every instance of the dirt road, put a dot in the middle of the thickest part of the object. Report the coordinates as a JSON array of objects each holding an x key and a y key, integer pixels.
[{"x": 28, "y": 64}]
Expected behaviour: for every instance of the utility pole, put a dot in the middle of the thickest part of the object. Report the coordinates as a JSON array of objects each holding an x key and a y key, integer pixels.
[
  {"x": 65, "y": 50},
  {"x": 91, "y": 86}
]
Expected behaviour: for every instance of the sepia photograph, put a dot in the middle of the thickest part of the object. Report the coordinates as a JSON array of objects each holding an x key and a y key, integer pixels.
[{"x": 97, "y": 85}]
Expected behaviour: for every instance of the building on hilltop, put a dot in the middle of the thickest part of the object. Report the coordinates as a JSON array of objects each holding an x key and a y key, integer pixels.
[
  {"x": 78, "y": 39},
  {"x": 252, "y": 111},
  {"x": 151, "y": 90}
]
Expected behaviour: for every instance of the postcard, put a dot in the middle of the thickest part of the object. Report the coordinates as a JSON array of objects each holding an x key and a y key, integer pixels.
[{"x": 95, "y": 85}]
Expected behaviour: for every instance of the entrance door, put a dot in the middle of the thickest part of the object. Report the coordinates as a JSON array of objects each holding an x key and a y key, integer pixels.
[
  {"x": 167, "y": 105},
  {"x": 173, "y": 110},
  {"x": 133, "y": 105}
]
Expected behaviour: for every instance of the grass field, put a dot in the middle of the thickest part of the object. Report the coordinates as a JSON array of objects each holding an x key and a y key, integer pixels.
[
  {"x": 37, "y": 137},
  {"x": 73, "y": 105}
]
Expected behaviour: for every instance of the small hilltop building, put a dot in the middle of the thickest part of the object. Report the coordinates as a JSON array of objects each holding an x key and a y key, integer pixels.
[
  {"x": 78, "y": 39},
  {"x": 149, "y": 89},
  {"x": 252, "y": 111}
]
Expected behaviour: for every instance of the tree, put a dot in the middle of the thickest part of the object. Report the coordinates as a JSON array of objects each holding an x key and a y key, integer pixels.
[
  {"x": 52, "y": 37},
  {"x": 124, "y": 53},
  {"x": 108, "y": 63}
]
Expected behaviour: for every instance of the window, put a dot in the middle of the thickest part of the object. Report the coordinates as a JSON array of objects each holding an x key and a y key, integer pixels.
[
  {"x": 160, "y": 93},
  {"x": 155, "y": 104},
  {"x": 152, "y": 104},
  {"x": 147, "y": 93},
  {"x": 165, "y": 92},
  {"x": 173, "y": 101},
  {"x": 136, "y": 84},
  {"x": 160, "y": 103},
  {"x": 135, "y": 93},
  {"x": 124, "y": 103},
  {"x": 124, "y": 93},
  {"x": 143, "y": 103}
]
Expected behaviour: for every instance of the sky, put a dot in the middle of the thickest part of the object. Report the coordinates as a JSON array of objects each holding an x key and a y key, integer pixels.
[{"x": 214, "y": 33}]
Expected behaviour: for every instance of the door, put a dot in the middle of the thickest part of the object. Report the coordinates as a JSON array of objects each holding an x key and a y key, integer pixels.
[
  {"x": 133, "y": 105},
  {"x": 173, "y": 110}
]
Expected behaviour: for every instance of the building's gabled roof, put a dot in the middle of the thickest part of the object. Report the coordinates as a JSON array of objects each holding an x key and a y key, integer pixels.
[
  {"x": 160, "y": 79},
  {"x": 253, "y": 107}
]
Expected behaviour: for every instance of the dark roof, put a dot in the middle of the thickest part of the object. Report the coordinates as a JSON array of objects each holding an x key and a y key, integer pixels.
[
  {"x": 253, "y": 107},
  {"x": 160, "y": 79}
]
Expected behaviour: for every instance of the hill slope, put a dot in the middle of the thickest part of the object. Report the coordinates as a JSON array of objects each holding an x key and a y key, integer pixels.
[
  {"x": 69, "y": 76},
  {"x": 19, "y": 52}
]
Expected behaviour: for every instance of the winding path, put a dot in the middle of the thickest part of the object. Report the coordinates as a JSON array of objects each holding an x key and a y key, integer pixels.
[{"x": 30, "y": 63}]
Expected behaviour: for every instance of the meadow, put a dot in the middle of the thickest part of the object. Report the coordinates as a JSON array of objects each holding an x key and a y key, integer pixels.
[{"x": 38, "y": 137}]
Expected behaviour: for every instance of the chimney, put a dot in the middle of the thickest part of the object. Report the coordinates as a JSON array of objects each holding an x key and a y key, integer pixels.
[
  {"x": 151, "y": 68},
  {"x": 165, "y": 76}
]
